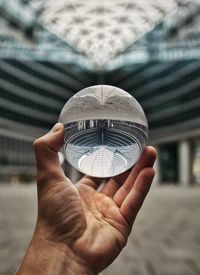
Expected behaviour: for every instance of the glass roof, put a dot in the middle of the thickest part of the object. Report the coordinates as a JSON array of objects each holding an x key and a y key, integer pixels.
[{"x": 102, "y": 29}]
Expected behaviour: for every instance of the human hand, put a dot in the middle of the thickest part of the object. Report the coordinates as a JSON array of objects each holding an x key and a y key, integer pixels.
[{"x": 80, "y": 230}]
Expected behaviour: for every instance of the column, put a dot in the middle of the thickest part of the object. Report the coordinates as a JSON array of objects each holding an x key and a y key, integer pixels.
[{"x": 184, "y": 165}]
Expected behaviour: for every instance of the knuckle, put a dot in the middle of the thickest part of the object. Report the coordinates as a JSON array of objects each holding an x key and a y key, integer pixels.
[
  {"x": 38, "y": 143},
  {"x": 41, "y": 177},
  {"x": 49, "y": 174}
]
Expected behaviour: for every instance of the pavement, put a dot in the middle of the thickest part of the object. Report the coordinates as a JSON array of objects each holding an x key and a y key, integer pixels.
[{"x": 165, "y": 239}]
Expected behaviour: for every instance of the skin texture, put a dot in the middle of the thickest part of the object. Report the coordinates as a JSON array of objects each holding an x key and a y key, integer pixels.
[{"x": 80, "y": 230}]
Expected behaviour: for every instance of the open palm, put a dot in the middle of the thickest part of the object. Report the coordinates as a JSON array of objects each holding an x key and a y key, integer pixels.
[{"x": 95, "y": 224}]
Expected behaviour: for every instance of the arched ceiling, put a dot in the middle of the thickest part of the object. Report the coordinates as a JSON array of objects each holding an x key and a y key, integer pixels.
[{"x": 101, "y": 29}]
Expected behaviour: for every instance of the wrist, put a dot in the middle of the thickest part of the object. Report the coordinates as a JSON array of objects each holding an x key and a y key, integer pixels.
[{"x": 47, "y": 257}]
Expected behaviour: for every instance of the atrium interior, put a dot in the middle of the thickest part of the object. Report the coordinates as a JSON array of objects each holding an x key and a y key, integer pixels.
[{"x": 49, "y": 50}]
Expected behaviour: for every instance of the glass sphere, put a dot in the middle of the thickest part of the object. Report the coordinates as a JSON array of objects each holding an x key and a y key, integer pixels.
[{"x": 105, "y": 131}]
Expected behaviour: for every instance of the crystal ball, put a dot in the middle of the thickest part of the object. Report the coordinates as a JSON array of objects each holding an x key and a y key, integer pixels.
[{"x": 106, "y": 131}]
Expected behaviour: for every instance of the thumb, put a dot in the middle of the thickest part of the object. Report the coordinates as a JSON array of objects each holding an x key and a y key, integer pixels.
[{"x": 46, "y": 155}]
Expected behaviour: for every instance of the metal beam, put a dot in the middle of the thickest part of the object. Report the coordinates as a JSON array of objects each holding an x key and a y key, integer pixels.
[{"x": 61, "y": 56}]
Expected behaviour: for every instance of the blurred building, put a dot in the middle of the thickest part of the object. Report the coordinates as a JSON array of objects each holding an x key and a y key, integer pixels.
[{"x": 40, "y": 70}]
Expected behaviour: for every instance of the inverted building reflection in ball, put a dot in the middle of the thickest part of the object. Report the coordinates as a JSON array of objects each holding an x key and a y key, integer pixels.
[{"x": 105, "y": 131}]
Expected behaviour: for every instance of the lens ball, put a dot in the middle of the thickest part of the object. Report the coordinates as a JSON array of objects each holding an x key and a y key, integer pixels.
[{"x": 106, "y": 131}]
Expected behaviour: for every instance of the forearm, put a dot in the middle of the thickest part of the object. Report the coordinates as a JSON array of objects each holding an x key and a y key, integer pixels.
[{"x": 44, "y": 257}]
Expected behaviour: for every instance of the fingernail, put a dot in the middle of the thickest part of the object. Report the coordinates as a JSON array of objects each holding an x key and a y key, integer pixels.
[{"x": 56, "y": 127}]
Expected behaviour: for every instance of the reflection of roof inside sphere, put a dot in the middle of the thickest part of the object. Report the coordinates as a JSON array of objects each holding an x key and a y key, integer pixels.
[{"x": 103, "y": 102}]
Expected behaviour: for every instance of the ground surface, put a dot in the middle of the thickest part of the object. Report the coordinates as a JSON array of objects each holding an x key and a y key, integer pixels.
[{"x": 165, "y": 240}]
